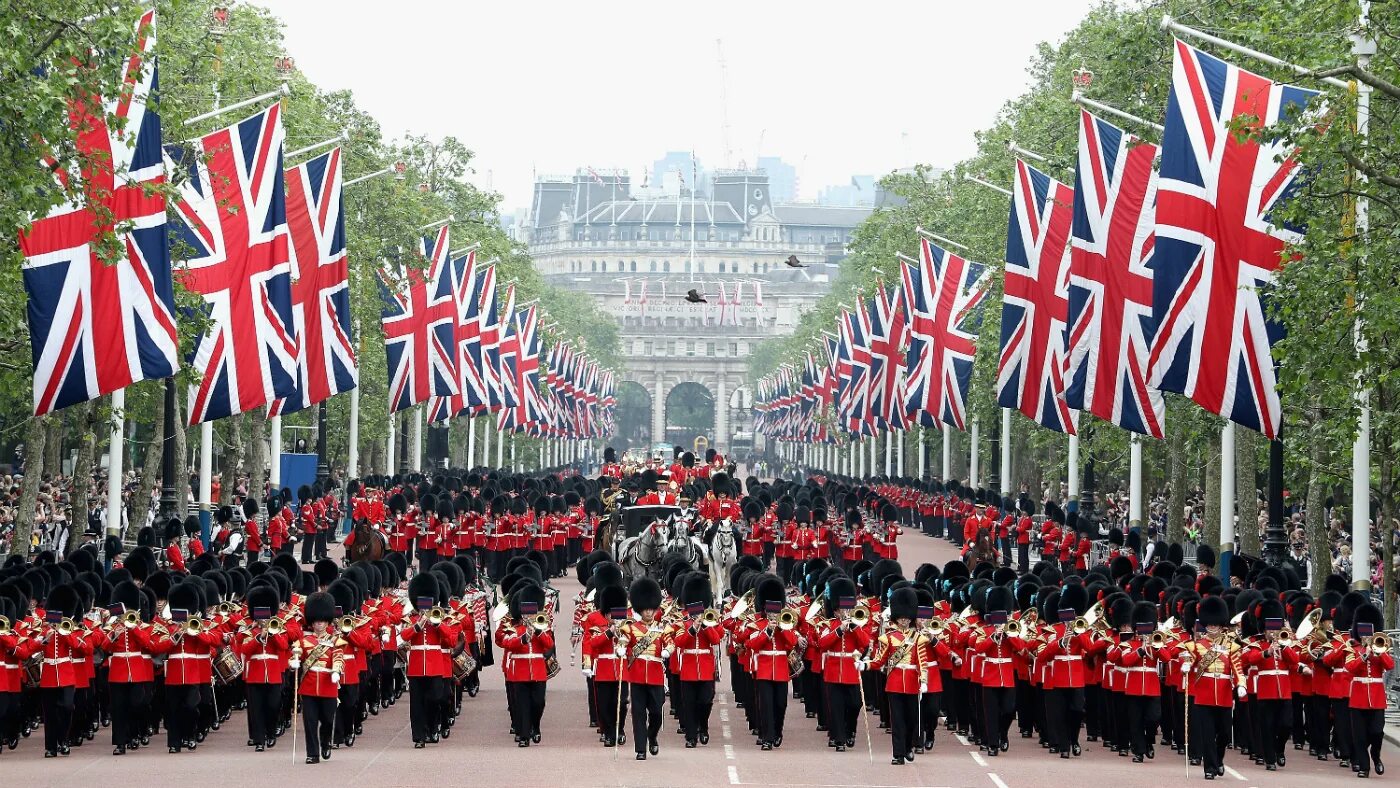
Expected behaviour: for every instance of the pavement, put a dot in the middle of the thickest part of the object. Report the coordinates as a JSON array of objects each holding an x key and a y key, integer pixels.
[{"x": 481, "y": 752}]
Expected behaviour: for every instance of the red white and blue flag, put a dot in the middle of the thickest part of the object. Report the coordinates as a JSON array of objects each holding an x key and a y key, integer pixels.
[
  {"x": 888, "y": 337},
  {"x": 326, "y": 363},
  {"x": 1218, "y": 244},
  {"x": 1035, "y": 306},
  {"x": 944, "y": 293},
  {"x": 468, "y": 347},
  {"x": 234, "y": 222},
  {"x": 419, "y": 318},
  {"x": 489, "y": 320},
  {"x": 95, "y": 325},
  {"x": 1110, "y": 280}
]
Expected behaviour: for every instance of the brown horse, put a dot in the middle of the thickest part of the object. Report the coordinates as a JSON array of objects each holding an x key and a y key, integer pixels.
[{"x": 369, "y": 544}]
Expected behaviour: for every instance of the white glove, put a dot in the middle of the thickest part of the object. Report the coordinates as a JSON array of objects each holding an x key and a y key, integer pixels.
[
  {"x": 384, "y": 638},
  {"x": 923, "y": 687},
  {"x": 861, "y": 664},
  {"x": 335, "y": 677},
  {"x": 588, "y": 672},
  {"x": 621, "y": 652},
  {"x": 1186, "y": 664},
  {"x": 1241, "y": 692},
  {"x": 665, "y": 653},
  {"x": 294, "y": 664}
]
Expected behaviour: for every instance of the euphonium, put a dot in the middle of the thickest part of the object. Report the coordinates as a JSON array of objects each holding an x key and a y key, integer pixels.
[
  {"x": 540, "y": 622},
  {"x": 787, "y": 619}
]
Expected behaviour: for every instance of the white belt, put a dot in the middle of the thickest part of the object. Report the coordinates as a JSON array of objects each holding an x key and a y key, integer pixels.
[
  {"x": 425, "y": 648},
  {"x": 1274, "y": 673},
  {"x": 843, "y": 653},
  {"x": 1369, "y": 680},
  {"x": 129, "y": 655},
  {"x": 1140, "y": 669},
  {"x": 183, "y": 655},
  {"x": 1066, "y": 658},
  {"x": 695, "y": 651},
  {"x": 647, "y": 657},
  {"x": 997, "y": 660},
  {"x": 57, "y": 660},
  {"x": 263, "y": 656},
  {"x": 10, "y": 665},
  {"x": 526, "y": 656},
  {"x": 321, "y": 669},
  {"x": 772, "y": 653},
  {"x": 1216, "y": 676},
  {"x": 602, "y": 657}
]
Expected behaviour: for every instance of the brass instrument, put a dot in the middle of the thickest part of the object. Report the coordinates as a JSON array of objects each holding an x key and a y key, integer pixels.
[
  {"x": 274, "y": 627},
  {"x": 225, "y": 608},
  {"x": 4, "y": 626},
  {"x": 1379, "y": 643},
  {"x": 437, "y": 615},
  {"x": 1310, "y": 630},
  {"x": 745, "y": 602},
  {"x": 67, "y": 626},
  {"x": 787, "y": 619},
  {"x": 1014, "y": 629},
  {"x": 1159, "y": 639},
  {"x": 194, "y": 626},
  {"x": 860, "y": 616},
  {"x": 540, "y": 622},
  {"x": 710, "y": 617},
  {"x": 1080, "y": 625}
]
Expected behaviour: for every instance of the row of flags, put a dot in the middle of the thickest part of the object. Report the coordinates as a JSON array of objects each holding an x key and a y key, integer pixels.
[
  {"x": 720, "y": 310},
  {"x": 265, "y": 249},
  {"x": 1144, "y": 276}
]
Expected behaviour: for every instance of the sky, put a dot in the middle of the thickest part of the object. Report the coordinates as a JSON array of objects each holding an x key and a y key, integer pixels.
[{"x": 544, "y": 87}]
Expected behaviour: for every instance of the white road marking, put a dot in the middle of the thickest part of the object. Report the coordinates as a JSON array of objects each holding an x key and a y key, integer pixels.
[
  {"x": 733, "y": 775},
  {"x": 977, "y": 756},
  {"x": 729, "y": 752},
  {"x": 724, "y": 715},
  {"x": 961, "y": 739},
  {"x": 725, "y": 730},
  {"x": 997, "y": 780},
  {"x": 1234, "y": 774}
]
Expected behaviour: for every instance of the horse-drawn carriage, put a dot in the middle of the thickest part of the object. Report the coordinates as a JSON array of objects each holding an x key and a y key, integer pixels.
[{"x": 646, "y": 538}]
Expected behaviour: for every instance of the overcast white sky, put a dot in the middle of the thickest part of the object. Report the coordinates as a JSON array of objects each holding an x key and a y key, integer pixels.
[{"x": 835, "y": 88}]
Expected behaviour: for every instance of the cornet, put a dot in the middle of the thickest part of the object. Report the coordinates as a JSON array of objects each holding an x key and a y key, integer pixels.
[
  {"x": 540, "y": 622},
  {"x": 710, "y": 617},
  {"x": 194, "y": 626},
  {"x": 787, "y": 619},
  {"x": 1379, "y": 644},
  {"x": 67, "y": 626},
  {"x": 274, "y": 627},
  {"x": 1080, "y": 625},
  {"x": 1159, "y": 639}
]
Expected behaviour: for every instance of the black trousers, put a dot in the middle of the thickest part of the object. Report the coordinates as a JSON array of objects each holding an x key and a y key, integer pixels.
[
  {"x": 308, "y": 546},
  {"x": 647, "y": 700},
  {"x": 1319, "y": 724},
  {"x": 1064, "y": 711},
  {"x": 1367, "y": 726},
  {"x": 697, "y": 700},
  {"x": 347, "y": 712},
  {"x": 129, "y": 702},
  {"x": 264, "y": 706},
  {"x": 843, "y": 701},
  {"x": 610, "y": 714},
  {"x": 928, "y": 717},
  {"x": 998, "y": 706},
  {"x": 1272, "y": 720},
  {"x": 318, "y": 718},
  {"x": 1341, "y": 727},
  {"x": 771, "y": 698},
  {"x": 1023, "y": 557},
  {"x": 1210, "y": 729},
  {"x": 181, "y": 710},
  {"x": 425, "y": 697},
  {"x": 322, "y": 540},
  {"x": 1141, "y": 714},
  {"x": 526, "y": 707},
  {"x": 904, "y": 722},
  {"x": 426, "y": 559},
  {"x": 57, "y": 703}
]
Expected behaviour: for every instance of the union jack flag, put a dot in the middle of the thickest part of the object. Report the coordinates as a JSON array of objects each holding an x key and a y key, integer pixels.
[
  {"x": 489, "y": 320},
  {"x": 853, "y": 396},
  {"x": 506, "y": 346},
  {"x": 234, "y": 221},
  {"x": 887, "y": 338},
  {"x": 96, "y": 327},
  {"x": 1035, "y": 307},
  {"x": 419, "y": 319},
  {"x": 1217, "y": 244},
  {"x": 326, "y": 363},
  {"x": 468, "y": 348},
  {"x": 943, "y": 293},
  {"x": 1110, "y": 283}
]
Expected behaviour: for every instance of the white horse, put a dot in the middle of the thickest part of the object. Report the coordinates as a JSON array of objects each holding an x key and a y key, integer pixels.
[{"x": 724, "y": 554}]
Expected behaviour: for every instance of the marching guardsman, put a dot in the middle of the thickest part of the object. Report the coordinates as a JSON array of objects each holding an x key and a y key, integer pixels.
[
  {"x": 602, "y": 631},
  {"x": 1213, "y": 679},
  {"x": 278, "y": 530},
  {"x": 318, "y": 660},
  {"x": 643, "y": 647},
  {"x": 126, "y": 639},
  {"x": 526, "y": 637},
  {"x": 1135, "y": 655},
  {"x": 694, "y": 639},
  {"x": 429, "y": 637},
  {"x": 770, "y": 641},
  {"x": 1368, "y": 660},
  {"x": 264, "y": 644},
  {"x": 174, "y": 560},
  {"x": 429, "y": 527},
  {"x": 1269, "y": 665},
  {"x": 357, "y": 639},
  {"x": 64, "y": 643},
  {"x": 309, "y": 523},
  {"x": 897, "y": 653},
  {"x": 1065, "y": 652},
  {"x": 188, "y": 643},
  {"x": 842, "y": 641},
  {"x": 996, "y": 647}
]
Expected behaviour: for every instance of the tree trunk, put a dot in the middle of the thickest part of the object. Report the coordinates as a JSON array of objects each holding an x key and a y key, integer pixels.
[
  {"x": 1247, "y": 491},
  {"x": 53, "y": 444},
  {"x": 234, "y": 467},
  {"x": 34, "y": 440},
  {"x": 257, "y": 452},
  {"x": 82, "y": 471},
  {"x": 1210, "y": 528},
  {"x": 140, "y": 503},
  {"x": 182, "y": 454},
  {"x": 1315, "y": 518},
  {"x": 1176, "y": 500}
]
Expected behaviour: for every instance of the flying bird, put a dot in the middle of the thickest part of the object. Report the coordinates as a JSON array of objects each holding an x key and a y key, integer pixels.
[
  {"x": 695, "y": 298},
  {"x": 793, "y": 262}
]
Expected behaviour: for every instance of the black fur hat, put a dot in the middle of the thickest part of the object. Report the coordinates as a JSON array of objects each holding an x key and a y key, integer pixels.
[
  {"x": 264, "y": 595},
  {"x": 609, "y": 598},
  {"x": 320, "y": 606},
  {"x": 184, "y": 596},
  {"x": 1000, "y": 598},
  {"x": 1212, "y": 611},
  {"x": 526, "y": 593},
  {"x": 769, "y": 589},
  {"x": 422, "y": 586},
  {"x": 327, "y": 570},
  {"x": 904, "y": 603},
  {"x": 644, "y": 594},
  {"x": 1205, "y": 556},
  {"x": 696, "y": 590}
]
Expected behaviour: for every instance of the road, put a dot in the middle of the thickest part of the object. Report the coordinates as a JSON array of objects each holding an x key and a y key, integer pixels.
[{"x": 481, "y": 752}]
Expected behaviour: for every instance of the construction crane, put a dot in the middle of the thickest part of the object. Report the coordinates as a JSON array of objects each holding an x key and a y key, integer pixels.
[{"x": 724, "y": 104}]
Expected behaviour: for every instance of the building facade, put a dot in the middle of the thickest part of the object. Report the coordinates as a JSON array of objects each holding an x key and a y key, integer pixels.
[{"x": 638, "y": 258}]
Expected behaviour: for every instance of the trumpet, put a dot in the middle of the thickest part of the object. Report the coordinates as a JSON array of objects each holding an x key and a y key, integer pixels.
[
  {"x": 436, "y": 615},
  {"x": 1159, "y": 639},
  {"x": 224, "y": 608},
  {"x": 347, "y": 624},
  {"x": 710, "y": 617},
  {"x": 787, "y": 619},
  {"x": 540, "y": 622},
  {"x": 1080, "y": 625},
  {"x": 194, "y": 626},
  {"x": 67, "y": 626},
  {"x": 274, "y": 626},
  {"x": 1014, "y": 629},
  {"x": 1379, "y": 643},
  {"x": 860, "y": 616}
]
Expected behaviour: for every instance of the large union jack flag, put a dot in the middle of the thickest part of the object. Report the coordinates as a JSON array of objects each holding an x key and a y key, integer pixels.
[
  {"x": 489, "y": 320},
  {"x": 419, "y": 319},
  {"x": 854, "y": 371},
  {"x": 888, "y": 337},
  {"x": 943, "y": 293},
  {"x": 326, "y": 363},
  {"x": 1035, "y": 307},
  {"x": 468, "y": 348},
  {"x": 96, "y": 326},
  {"x": 1217, "y": 244},
  {"x": 1110, "y": 283},
  {"x": 234, "y": 222}
]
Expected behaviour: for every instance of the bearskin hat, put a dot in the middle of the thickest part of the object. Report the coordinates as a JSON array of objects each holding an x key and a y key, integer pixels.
[
  {"x": 320, "y": 606},
  {"x": 186, "y": 597},
  {"x": 1213, "y": 612},
  {"x": 904, "y": 603},
  {"x": 644, "y": 594},
  {"x": 526, "y": 593},
  {"x": 422, "y": 586},
  {"x": 609, "y": 598}
]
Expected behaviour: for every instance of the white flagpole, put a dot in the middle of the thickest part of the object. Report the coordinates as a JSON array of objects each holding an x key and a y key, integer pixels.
[
  {"x": 486, "y": 440},
  {"x": 1006, "y": 451},
  {"x": 922, "y": 463},
  {"x": 899, "y": 456},
  {"x": 274, "y": 468},
  {"x": 1227, "y": 494},
  {"x": 390, "y": 458},
  {"x": 352, "y": 464},
  {"x": 947, "y": 452},
  {"x": 471, "y": 442},
  {"x": 889, "y": 452},
  {"x": 972, "y": 465},
  {"x": 415, "y": 439},
  {"x": 206, "y": 478},
  {"x": 114, "y": 463},
  {"x": 1135, "y": 481},
  {"x": 1073, "y": 486},
  {"x": 500, "y": 447}
]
